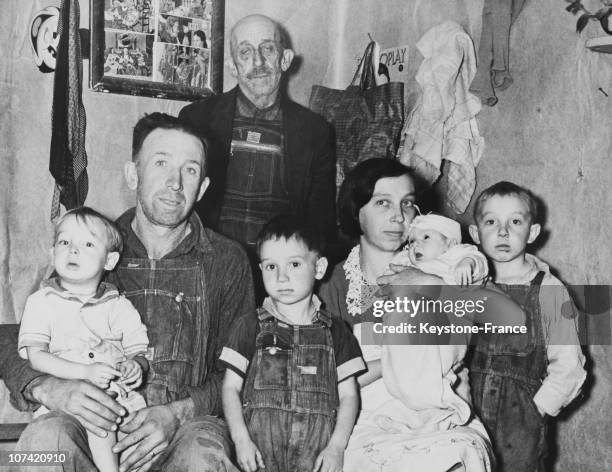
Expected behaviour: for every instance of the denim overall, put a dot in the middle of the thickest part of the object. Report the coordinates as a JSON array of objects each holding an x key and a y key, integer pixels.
[
  {"x": 256, "y": 190},
  {"x": 506, "y": 372},
  {"x": 291, "y": 392},
  {"x": 167, "y": 295}
]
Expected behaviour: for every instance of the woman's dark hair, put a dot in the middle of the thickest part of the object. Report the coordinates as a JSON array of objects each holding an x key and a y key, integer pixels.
[
  {"x": 358, "y": 187},
  {"x": 202, "y": 35}
]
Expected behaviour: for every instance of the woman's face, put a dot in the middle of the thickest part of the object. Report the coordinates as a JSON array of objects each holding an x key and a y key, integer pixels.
[
  {"x": 197, "y": 41},
  {"x": 384, "y": 220}
]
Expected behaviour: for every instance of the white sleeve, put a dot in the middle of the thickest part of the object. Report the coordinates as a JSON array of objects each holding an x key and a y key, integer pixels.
[{"x": 35, "y": 330}]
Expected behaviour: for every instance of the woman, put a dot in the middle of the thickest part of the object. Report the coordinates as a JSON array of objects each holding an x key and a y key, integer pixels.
[
  {"x": 200, "y": 62},
  {"x": 415, "y": 398}
]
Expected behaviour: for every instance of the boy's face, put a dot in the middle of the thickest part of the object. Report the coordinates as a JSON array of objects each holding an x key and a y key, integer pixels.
[
  {"x": 503, "y": 229},
  {"x": 426, "y": 244},
  {"x": 79, "y": 257},
  {"x": 289, "y": 269}
]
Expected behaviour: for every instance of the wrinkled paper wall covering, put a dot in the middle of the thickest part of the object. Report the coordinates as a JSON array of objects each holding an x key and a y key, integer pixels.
[{"x": 552, "y": 122}]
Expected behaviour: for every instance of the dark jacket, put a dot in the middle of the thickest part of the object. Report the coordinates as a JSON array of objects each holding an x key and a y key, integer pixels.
[{"x": 309, "y": 153}]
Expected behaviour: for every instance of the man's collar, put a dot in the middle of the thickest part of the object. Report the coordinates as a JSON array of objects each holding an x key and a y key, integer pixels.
[
  {"x": 133, "y": 247},
  {"x": 106, "y": 291},
  {"x": 246, "y": 108}
]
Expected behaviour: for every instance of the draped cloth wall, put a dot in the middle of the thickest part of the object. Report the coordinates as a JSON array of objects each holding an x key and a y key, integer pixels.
[{"x": 68, "y": 158}]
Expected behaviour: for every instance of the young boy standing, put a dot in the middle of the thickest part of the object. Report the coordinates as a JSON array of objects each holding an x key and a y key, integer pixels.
[
  {"x": 519, "y": 380},
  {"x": 296, "y": 363}
]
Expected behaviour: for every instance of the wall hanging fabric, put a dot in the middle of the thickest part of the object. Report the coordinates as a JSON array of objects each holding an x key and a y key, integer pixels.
[
  {"x": 442, "y": 125},
  {"x": 68, "y": 161},
  {"x": 367, "y": 118},
  {"x": 494, "y": 50}
]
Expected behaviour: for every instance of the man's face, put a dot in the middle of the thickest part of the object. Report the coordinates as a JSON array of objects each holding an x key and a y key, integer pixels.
[
  {"x": 168, "y": 176},
  {"x": 258, "y": 60}
]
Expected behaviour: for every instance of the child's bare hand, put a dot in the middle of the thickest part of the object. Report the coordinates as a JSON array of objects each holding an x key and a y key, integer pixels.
[
  {"x": 248, "y": 456},
  {"x": 464, "y": 271},
  {"x": 331, "y": 459},
  {"x": 101, "y": 374},
  {"x": 131, "y": 373}
]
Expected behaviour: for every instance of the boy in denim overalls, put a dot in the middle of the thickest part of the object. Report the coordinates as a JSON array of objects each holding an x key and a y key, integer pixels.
[
  {"x": 296, "y": 363},
  {"x": 519, "y": 380}
]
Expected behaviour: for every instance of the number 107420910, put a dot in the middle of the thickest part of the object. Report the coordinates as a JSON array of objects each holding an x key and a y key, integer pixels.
[{"x": 32, "y": 458}]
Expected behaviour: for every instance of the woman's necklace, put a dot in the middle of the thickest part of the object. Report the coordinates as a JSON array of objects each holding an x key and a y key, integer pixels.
[{"x": 360, "y": 294}]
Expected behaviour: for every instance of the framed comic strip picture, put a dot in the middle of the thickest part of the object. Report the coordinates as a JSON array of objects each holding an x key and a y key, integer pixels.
[{"x": 157, "y": 48}]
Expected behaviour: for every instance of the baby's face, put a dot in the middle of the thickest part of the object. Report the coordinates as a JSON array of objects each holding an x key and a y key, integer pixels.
[
  {"x": 79, "y": 256},
  {"x": 426, "y": 244}
]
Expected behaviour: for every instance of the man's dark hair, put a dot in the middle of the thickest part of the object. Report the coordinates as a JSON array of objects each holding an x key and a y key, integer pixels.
[
  {"x": 358, "y": 187},
  {"x": 508, "y": 189},
  {"x": 287, "y": 227},
  {"x": 152, "y": 121}
]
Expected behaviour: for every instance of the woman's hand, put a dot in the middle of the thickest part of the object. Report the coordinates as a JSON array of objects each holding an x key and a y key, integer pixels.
[{"x": 408, "y": 282}]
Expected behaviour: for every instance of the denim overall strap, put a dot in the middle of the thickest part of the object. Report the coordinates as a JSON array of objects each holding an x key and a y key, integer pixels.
[
  {"x": 168, "y": 295},
  {"x": 505, "y": 373},
  {"x": 520, "y": 356},
  {"x": 294, "y": 369}
]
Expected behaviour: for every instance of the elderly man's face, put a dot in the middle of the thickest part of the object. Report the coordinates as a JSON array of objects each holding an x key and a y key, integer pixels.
[
  {"x": 258, "y": 60},
  {"x": 168, "y": 176}
]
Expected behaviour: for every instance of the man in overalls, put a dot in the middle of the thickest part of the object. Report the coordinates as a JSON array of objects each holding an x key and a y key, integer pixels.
[{"x": 188, "y": 284}]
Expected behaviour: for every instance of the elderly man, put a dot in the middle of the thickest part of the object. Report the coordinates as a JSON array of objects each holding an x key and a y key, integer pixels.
[
  {"x": 269, "y": 155},
  {"x": 189, "y": 284}
]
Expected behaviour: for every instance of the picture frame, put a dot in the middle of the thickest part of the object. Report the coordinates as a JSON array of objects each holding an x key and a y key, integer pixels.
[{"x": 170, "y": 49}]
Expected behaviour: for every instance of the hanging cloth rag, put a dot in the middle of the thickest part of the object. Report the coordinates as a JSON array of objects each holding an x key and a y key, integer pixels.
[
  {"x": 494, "y": 51},
  {"x": 443, "y": 123},
  {"x": 68, "y": 160}
]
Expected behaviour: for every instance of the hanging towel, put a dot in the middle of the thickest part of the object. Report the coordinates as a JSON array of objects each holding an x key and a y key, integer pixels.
[
  {"x": 494, "y": 50},
  {"x": 443, "y": 124},
  {"x": 68, "y": 160}
]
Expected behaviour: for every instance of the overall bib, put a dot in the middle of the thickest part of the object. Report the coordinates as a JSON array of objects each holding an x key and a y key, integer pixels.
[
  {"x": 291, "y": 393},
  {"x": 167, "y": 295},
  {"x": 506, "y": 372}
]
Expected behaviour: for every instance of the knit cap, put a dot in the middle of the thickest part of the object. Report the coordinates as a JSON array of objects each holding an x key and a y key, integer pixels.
[{"x": 449, "y": 228}]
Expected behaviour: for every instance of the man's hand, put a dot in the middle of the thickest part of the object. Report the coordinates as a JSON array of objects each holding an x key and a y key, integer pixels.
[
  {"x": 131, "y": 374},
  {"x": 100, "y": 374},
  {"x": 248, "y": 456},
  {"x": 330, "y": 459},
  {"x": 95, "y": 409},
  {"x": 149, "y": 431},
  {"x": 464, "y": 271}
]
